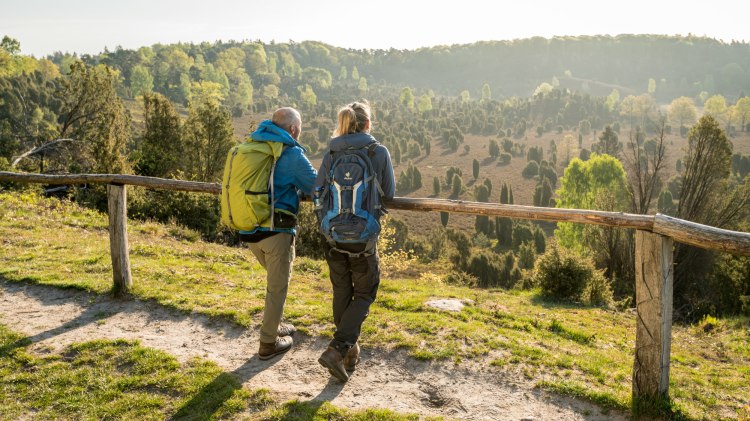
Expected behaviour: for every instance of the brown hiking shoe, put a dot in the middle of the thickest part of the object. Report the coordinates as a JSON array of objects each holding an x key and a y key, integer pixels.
[
  {"x": 270, "y": 350},
  {"x": 332, "y": 360},
  {"x": 286, "y": 329},
  {"x": 351, "y": 359}
]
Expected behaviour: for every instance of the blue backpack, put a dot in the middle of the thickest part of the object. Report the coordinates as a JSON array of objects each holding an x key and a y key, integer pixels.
[{"x": 350, "y": 202}]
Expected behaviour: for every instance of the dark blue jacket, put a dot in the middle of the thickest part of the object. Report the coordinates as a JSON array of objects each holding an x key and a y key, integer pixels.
[
  {"x": 381, "y": 162},
  {"x": 293, "y": 173}
]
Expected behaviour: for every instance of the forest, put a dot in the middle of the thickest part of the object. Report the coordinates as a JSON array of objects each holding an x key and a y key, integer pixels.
[{"x": 639, "y": 124}]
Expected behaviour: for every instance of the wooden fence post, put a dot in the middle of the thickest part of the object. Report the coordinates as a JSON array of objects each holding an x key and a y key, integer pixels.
[
  {"x": 653, "y": 296},
  {"x": 117, "y": 205}
]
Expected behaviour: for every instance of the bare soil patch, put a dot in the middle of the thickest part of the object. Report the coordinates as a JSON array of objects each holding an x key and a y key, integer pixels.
[{"x": 54, "y": 318}]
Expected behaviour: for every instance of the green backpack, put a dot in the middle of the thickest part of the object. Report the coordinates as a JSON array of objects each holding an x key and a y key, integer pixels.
[{"x": 247, "y": 197}]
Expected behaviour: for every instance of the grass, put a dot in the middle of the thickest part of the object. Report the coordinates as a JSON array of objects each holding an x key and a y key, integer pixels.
[
  {"x": 104, "y": 379},
  {"x": 585, "y": 352}
]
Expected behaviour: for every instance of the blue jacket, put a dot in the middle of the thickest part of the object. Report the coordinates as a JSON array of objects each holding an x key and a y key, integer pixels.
[
  {"x": 293, "y": 173},
  {"x": 381, "y": 162}
]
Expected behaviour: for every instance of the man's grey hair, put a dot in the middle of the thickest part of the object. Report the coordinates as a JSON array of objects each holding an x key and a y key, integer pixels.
[{"x": 286, "y": 118}]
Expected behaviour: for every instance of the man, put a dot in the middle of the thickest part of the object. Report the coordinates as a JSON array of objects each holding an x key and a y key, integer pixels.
[{"x": 274, "y": 247}]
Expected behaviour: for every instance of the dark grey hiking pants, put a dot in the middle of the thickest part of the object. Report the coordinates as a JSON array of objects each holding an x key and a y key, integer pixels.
[{"x": 355, "y": 283}]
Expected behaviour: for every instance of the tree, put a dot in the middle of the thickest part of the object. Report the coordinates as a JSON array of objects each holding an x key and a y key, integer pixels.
[
  {"x": 28, "y": 128},
  {"x": 542, "y": 193},
  {"x": 706, "y": 197},
  {"x": 531, "y": 170},
  {"x": 542, "y": 89},
  {"x": 682, "y": 111},
  {"x": 307, "y": 95},
  {"x": 638, "y": 109},
  {"x": 743, "y": 111},
  {"x": 241, "y": 97},
  {"x": 488, "y": 184},
  {"x": 482, "y": 224},
  {"x": 318, "y": 78},
  {"x": 407, "y": 98},
  {"x": 208, "y": 137},
  {"x": 645, "y": 161},
  {"x": 584, "y": 127},
  {"x": 716, "y": 107},
  {"x": 11, "y": 45},
  {"x": 362, "y": 85},
  {"x": 204, "y": 91},
  {"x": 94, "y": 115},
  {"x": 599, "y": 183},
  {"x": 409, "y": 180},
  {"x": 343, "y": 74},
  {"x": 449, "y": 174},
  {"x": 355, "y": 73},
  {"x": 457, "y": 186},
  {"x": 612, "y": 99},
  {"x": 706, "y": 164},
  {"x": 494, "y": 148},
  {"x": 475, "y": 169},
  {"x": 504, "y": 226},
  {"x": 464, "y": 96},
  {"x": 425, "y": 104},
  {"x": 568, "y": 149},
  {"x": 161, "y": 147},
  {"x": 608, "y": 143},
  {"x": 486, "y": 92},
  {"x": 141, "y": 81}
]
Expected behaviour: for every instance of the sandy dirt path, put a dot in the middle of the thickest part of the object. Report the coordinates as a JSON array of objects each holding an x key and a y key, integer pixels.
[{"x": 53, "y": 318}]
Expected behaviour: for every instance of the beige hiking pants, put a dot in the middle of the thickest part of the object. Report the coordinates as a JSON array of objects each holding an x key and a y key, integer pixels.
[{"x": 275, "y": 254}]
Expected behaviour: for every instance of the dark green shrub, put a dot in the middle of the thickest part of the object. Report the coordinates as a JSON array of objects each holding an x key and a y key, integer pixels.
[
  {"x": 531, "y": 170},
  {"x": 197, "y": 211},
  {"x": 310, "y": 243},
  {"x": 563, "y": 274}
]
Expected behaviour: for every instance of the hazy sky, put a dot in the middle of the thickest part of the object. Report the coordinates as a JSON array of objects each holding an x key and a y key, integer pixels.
[{"x": 87, "y": 26}]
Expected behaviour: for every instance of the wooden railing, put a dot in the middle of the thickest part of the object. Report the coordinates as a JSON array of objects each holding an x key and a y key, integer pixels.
[{"x": 654, "y": 239}]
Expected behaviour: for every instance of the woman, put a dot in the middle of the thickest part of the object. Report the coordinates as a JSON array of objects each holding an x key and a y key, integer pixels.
[{"x": 354, "y": 270}]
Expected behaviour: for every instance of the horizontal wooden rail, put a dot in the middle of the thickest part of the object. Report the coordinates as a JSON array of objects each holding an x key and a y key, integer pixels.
[
  {"x": 123, "y": 179},
  {"x": 583, "y": 216},
  {"x": 680, "y": 230}
]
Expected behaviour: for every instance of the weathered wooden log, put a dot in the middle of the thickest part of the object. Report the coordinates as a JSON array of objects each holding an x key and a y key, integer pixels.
[
  {"x": 703, "y": 236},
  {"x": 583, "y": 216},
  {"x": 133, "y": 180},
  {"x": 682, "y": 231},
  {"x": 653, "y": 298},
  {"x": 118, "y": 238}
]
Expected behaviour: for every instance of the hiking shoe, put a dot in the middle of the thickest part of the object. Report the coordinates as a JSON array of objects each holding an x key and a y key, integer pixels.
[
  {"x": 351, "y": 359},
  {"x": 334, "y": 362},
  {"x": 270, "y": 350},
  {"x": 286, "y": 329}
]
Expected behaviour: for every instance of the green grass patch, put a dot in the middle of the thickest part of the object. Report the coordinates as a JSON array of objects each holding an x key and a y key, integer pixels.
[
  {"x": 105, "y": 379},
  {"x": 57, "y": 243},
  {"x": 120, "y": 379}
]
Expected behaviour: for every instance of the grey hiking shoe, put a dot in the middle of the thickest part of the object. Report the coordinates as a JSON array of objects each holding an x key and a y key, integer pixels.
[
  {"x": 351, "y": 359},
  {"x": 286, "y": 329},
  {"x": 270, "y": 350},
  {"x": 334, "y": 362}
]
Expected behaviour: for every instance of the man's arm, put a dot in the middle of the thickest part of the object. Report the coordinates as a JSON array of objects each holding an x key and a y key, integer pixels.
[{"x": 303, "y": 172}]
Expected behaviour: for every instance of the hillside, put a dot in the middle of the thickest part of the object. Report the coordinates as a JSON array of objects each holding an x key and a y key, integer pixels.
[
  {"x": 441, "y": 159},
  {"x": 569, "y": 349}
]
